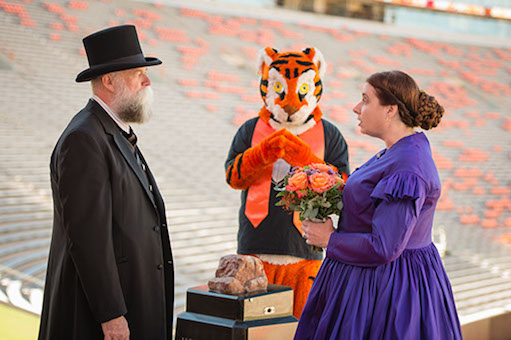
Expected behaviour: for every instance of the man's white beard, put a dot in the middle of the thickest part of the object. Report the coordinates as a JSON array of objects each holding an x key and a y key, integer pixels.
[{"x": 133, "y": 108}]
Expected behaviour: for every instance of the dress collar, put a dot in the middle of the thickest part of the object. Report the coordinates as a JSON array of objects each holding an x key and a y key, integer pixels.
[{"x": 395, "y": 145}]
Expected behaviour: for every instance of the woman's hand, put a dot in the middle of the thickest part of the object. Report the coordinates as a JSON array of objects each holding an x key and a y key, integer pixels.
[{"x": 317, "y": 234}]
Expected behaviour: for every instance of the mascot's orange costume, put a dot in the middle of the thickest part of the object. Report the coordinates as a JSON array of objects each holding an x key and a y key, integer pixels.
[{"x": 288, "y": 132}]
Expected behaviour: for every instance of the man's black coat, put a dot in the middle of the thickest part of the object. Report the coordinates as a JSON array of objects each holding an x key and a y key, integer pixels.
[{"x": 110, "y": 252}]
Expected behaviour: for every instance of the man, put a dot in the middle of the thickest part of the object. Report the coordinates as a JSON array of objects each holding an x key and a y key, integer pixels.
[{"x": 110, "y": 273}]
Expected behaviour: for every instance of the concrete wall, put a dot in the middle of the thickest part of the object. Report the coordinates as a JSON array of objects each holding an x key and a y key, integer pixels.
[{"x": 493, "y": 328}]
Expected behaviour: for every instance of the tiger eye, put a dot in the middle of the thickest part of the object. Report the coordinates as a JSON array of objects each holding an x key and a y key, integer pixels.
[
  {"x": 304, "y": 88},
  {"x": 277, "y": 87}
]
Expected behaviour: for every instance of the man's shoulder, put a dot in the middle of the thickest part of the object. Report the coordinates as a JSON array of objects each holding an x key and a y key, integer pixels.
[
  {"x": 247, "y": 129},
  {"x": 85, "y": 120},
  {"x": 249, "y": 125},
  {"x": 331, "y": 130},
  {"x": 85, "y": 123}
]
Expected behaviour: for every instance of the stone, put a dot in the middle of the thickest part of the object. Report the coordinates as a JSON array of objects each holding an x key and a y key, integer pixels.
[{"x": 239, "y": 274}]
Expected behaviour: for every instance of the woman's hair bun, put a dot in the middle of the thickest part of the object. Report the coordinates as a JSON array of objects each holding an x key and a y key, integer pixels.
[{"x": 429, "y": 112}]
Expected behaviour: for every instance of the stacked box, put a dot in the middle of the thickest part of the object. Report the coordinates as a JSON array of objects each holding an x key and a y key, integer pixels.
[{"x": 254, "y": 316}]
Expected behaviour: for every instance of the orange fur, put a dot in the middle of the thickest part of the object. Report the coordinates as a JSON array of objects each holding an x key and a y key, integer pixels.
[
  {"x": 297, "y": 276},
  {"x": 297, "y": 152},
  {"x": 264, "y": 114},
  {"x": 296, "y": 61},
  {"x": 256, "y": 160}
]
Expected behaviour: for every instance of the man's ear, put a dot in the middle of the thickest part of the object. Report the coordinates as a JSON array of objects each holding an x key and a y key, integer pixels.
[
  {"x": 108, "y": 82},
  {"x": 264, "y": 58}
]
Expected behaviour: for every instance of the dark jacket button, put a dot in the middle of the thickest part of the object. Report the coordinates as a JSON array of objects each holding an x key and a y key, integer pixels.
[
  {"x": 160, "y": 266},
  {"x": 156, "y": 228}
]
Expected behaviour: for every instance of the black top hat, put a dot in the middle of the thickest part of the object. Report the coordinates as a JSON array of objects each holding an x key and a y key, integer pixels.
[{"x": 113, "y": 49}]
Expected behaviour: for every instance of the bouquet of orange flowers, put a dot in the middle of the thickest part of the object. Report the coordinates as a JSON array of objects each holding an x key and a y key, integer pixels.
[{"x": 315, "y": 191}]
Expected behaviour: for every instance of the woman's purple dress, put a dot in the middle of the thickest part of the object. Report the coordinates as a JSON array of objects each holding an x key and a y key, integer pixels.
[{"x": 383, "y": 277}]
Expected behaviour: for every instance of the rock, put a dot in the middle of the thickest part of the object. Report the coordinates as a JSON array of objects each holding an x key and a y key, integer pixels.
[
  {"x": 226, "y": 285},
  {"x": 239, "y": 274}
]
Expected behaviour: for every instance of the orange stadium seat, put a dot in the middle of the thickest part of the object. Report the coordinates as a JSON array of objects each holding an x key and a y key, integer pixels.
[
  {"x": 489, "y": 223},
  {"x": 78, "y": 5}
]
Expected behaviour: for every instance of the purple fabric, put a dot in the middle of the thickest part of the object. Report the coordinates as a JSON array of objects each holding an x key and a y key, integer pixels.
[{"x": 383, "y": 277}]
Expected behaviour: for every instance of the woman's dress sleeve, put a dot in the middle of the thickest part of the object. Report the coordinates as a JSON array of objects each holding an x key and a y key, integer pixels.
[{"x": 398, "y": 199}]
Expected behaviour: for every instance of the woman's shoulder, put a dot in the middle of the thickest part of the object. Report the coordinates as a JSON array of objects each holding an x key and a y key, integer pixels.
[
  {"x": 412, "y": 154},
  {"x": 400, "y": 185},
  {"x": 415, "y": 158}
]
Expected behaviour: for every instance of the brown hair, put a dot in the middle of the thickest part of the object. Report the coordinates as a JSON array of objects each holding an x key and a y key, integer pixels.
[{"x": 416, "y": 107}]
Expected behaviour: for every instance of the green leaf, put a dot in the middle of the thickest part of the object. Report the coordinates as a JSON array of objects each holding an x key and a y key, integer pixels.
[
  {"x": 295, "y": 207},
  {"x": 313, "y": 213},
  {"x": 302, "y": 218},
  {"x": 281, "y": 193}
]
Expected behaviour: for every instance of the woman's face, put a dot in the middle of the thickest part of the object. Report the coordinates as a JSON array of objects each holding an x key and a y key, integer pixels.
[{"x": 371, "y": 113}]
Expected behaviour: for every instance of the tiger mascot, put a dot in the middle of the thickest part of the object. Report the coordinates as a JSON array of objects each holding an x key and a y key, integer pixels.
[{"x": 288, "y": 132}]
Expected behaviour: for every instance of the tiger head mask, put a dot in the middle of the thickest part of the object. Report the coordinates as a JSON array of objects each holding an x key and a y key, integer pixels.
[{"x": 291, "y": 88}]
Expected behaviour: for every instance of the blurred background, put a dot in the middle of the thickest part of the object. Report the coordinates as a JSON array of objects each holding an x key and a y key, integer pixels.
[{"x": 459, "y": 51}]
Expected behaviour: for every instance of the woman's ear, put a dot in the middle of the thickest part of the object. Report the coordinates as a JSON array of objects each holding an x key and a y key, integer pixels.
[{"x": 391, "y": 112}]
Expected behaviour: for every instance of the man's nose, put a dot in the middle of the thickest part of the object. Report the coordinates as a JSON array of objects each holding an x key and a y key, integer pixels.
[{"x": 146, "y": 81}]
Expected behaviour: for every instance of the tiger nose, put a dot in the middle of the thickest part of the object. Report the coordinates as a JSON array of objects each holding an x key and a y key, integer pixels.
[{"x": 290, "y": 109}]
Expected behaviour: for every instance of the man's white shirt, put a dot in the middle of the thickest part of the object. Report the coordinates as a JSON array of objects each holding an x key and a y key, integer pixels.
[{"x": 125, "y": 127}]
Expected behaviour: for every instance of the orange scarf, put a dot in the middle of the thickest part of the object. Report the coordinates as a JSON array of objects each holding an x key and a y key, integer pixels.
[{"x": 258, "y": 196}]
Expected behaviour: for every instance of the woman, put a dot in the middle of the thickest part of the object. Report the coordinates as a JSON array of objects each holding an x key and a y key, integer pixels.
[{"x": 382, "y": 277}]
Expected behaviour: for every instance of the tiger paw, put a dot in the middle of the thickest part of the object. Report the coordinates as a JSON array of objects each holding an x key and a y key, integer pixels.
[
  {"x": 267, "y": 151},
  {"x": 272, "y": 147},
  {"x": 297, "y": 152}
]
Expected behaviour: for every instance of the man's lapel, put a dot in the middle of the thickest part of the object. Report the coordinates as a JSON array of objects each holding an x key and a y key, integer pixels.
[
  {"x": 122, "y": 143},
  {"x": 156, "y": 191}
]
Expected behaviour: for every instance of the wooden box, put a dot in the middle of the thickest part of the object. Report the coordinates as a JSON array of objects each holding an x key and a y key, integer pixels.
[{"x": 256, "y": 316}]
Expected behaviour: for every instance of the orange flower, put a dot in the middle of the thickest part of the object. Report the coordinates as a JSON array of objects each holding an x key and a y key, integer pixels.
[
  {"x": 297, "y": 182},
  {"x": 321, "y": 182},
  {"x": 301, "y": 193},
  {"x": 320, "y": 167},
  {"x": 338, "y": 179}
]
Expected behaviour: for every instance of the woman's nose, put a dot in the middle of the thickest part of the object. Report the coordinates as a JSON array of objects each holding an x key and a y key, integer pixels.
[{"x": 356, "y": 109}]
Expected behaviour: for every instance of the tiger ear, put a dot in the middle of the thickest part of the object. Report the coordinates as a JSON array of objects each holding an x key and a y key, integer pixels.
[
  {"x": 317, "y": 58},
  {"x": 265, "y": 57}
]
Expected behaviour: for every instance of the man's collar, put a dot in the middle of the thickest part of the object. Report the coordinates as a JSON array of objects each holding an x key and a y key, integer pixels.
[{"x": 125, "y": 127}]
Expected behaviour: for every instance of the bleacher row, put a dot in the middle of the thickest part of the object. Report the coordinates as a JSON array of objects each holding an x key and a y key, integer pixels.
[{"x": 205, "y": 89}]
